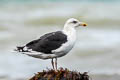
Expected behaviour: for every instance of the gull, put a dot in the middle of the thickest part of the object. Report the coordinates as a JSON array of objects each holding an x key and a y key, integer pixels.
[{"x": 53, "y": 45}]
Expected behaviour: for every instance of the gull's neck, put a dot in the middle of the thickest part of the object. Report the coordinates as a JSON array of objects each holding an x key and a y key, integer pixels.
[
  {"x": 71, "y": 34},
  {"x": 69, "y": 30}
]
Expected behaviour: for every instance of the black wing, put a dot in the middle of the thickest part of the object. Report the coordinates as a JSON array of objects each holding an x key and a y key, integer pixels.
[{"x": 48, "y": 42}]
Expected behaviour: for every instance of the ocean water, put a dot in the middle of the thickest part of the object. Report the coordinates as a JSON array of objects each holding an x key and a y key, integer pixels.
[{"x": 97, "y": 47}]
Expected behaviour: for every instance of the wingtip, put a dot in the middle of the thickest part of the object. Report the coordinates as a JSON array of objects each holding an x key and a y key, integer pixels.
[
  {"x": 18, "y": 49},
  {"x": 14, "y": 50}
]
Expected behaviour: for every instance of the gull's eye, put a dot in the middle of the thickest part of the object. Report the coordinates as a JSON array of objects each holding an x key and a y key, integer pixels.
[{"x": 74, "y": 22}]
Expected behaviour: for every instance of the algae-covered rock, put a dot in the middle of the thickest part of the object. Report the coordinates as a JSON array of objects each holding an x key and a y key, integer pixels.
[{"x": 61, "y": 74}]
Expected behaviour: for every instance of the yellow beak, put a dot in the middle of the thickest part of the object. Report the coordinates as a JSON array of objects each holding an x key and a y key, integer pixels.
[{"x": 83, "y": 24}]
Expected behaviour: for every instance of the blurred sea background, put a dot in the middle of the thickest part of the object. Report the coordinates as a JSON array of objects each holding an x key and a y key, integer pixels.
[{"x": 97, "y": 49}]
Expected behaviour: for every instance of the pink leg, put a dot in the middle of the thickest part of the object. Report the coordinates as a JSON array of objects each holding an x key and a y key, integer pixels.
[
  {"x": 52, "y": 63},
  {"x": 56, "y": 64}
]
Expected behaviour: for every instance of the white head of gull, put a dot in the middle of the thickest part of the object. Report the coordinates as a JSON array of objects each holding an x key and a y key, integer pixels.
[{"x": 53, "y": 45}]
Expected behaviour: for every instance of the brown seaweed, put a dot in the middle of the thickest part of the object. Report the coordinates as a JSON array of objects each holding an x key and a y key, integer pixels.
[{"x": 60, "y": 74}]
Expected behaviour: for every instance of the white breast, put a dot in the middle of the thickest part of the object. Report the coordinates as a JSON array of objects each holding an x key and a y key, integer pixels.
[{"x": 66, "y": 47}]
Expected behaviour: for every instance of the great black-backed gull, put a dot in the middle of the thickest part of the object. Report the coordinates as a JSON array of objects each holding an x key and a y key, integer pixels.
[{"x": 53, "y": 45}]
